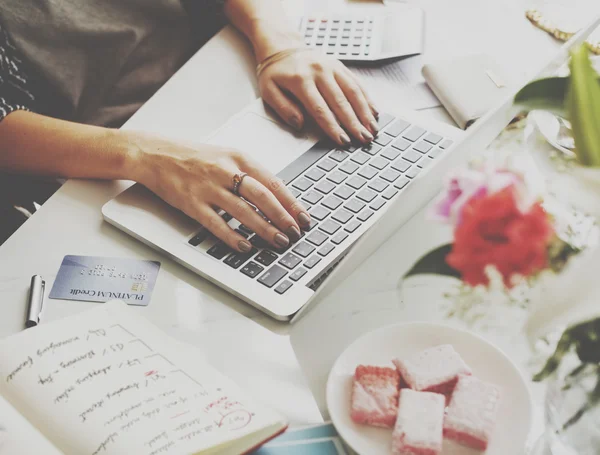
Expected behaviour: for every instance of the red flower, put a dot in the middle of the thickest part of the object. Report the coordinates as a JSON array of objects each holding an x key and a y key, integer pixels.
[{"x": 493, "y": 231}]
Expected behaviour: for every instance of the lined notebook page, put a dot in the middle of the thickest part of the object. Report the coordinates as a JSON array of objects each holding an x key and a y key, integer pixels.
[{"x": 108, "y": 382}]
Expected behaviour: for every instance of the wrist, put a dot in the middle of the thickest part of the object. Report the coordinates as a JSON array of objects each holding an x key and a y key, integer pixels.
[
  {"x": 267, "y": 39},
  {"x": 136, "y": 159}
]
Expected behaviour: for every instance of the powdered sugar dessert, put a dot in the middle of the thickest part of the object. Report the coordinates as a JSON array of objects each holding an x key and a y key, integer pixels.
[
  {"x": 472, "y": 412},
  {"x": 433, "y": 370},
  {"x": 419, "y": 426},
  {"x": 375, "y": 396}
]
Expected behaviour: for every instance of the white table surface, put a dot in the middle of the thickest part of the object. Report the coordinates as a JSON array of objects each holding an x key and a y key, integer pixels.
[{"x": 249, "y": 347}]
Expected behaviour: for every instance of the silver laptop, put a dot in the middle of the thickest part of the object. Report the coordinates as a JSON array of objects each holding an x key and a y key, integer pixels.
[{"x": 357, "y": 197}]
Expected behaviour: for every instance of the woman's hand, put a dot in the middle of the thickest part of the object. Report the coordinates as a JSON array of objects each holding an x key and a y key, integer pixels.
[
  {"x": 310, "y": 81},
  {"x": 199, "y": 181}
]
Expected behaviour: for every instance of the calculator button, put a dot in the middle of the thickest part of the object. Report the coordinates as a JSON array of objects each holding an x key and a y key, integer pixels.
[
  {"x": 319, "y": 213},
  {"x": 339, "y": 238},
  {"x": 365, "y": 215},
  {"x": 384, "y": 139},
  {"x": 294, "y": 192},
  {"x": 377, "y": 204},
  {"x": 389, "y": 193},
  {"x": 325, "y": 187},
  {"x": 435, "y": 152},
  {"x": 349, "y": 167},
  {"x": 367, "y": 195},
  {"x": 411, "y": 156},
  {"x": 384, "y": 119},
  {"x": 356, "y": 182},
  {"x": 252, "y": 269},
  {"x": 412, "y": 172},
  {"x": 423, "y": 147},
  {"x": 397, "y": 127},
  {"x": 330, "y": 227},
  {"x": 332, "y": 202},
  {"x": 326, "y": 164},
  {"x": 337, "y": 177},
  {"x": 360, "y": 157},
  {"x": 378, "y": 185},
  {"x": 390, "y": 175},
  {"x": 312, "y": 197},
  {"x": 284, "y": 286},
  {"x": 446, "y": 144},
  {"x": 302, "y": 184},
  {"x": 303, "y": 249},
  {"x": 433, "y": 138},
  {"x": 426, "y": 162},
  {"x": 326, "y": 249},
  {"x": 265, "y": 257},
  {"x": 290, "y": 261},
  {"x": 391, "y": 153},
  {"x": 367, "y": 172},
  {"x": 401, "y": 165},
  {"x": 372, "y": 149},
  {"x": 352, "y": 226},
  {"x": 379, "y": 163},
  {"x": 315, "y": 174},
  {"x": 401, "y": 182},
  {"x": 414, "y": 133},
  {"x": 316, "y": 238},
  {"x": 311, "y": 226},
  {"x": 314, "y": 260},
  {"x": 401, "y": 144},
  {"x": 354, "y": 205},
  {"x": 298, "y": 273},
  {"x": 344, "y": 192},
  {"x": 338, "y": 155},
  {"x": 342, "y": 216}
]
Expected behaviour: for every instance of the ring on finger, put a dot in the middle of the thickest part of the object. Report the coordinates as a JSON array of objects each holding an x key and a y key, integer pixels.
[{"x": 237, "y": 182}]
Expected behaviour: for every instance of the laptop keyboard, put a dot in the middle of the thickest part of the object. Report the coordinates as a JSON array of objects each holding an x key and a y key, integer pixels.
[{"x": 342, "y": 188}]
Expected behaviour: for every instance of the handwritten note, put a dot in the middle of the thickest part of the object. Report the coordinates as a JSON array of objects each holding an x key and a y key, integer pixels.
[{"x": 108, "y": 382}]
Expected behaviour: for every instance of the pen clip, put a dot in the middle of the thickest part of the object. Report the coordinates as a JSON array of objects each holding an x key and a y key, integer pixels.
[{"x": 36, "y": 301}]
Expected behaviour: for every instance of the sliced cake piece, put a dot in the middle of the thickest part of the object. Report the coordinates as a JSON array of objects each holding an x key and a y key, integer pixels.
[
  {"x": 375, "y": 396},
  {"x": 420, "y": 423},
  {"x": 433, "y": 370},
  {"x": 471, "y": 415}
]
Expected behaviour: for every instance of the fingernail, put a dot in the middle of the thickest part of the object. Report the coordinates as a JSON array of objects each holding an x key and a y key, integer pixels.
[
  {"x": 367, "y": 137},
  {"x": 281, "y": 240},
  {"x": 296, "y": 123},
  {"x": 293, "y": 233},
  {"x": 375, "y": 111},
  {"x": 374, "y": 127},
  {"x": 345, "y": 139},
  {"x": 304, "y": 218},
  {"x": 244, "y": 246}
]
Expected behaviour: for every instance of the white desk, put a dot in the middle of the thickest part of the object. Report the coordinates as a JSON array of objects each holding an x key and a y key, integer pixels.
[{"x": 245, "y": 345}]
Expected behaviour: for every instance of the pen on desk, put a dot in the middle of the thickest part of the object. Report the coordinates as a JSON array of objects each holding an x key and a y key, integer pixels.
[{"x": 36, "y": 301}]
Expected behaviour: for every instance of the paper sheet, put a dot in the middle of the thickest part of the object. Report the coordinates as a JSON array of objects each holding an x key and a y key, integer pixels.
[{"x": 108, "y": 382}]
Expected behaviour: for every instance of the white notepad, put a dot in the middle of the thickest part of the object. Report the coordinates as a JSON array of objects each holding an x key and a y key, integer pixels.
[{"x": 108, "y": 382}]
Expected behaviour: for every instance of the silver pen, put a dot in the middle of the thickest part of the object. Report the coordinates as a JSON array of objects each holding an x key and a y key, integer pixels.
[{"x": 36, "y": 301}]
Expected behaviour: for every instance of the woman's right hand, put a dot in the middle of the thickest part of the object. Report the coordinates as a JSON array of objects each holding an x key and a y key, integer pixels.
[{"x": 199, "y": 181}]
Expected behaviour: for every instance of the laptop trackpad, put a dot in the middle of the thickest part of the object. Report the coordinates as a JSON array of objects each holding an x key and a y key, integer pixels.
[{"x": 268, "y": 142}]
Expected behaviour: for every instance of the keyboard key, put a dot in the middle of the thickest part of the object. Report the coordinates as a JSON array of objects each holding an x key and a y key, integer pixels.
[
  {"x": 401, "y": 182},
  {"x": 352, "y": 226},
  {"x": 397, "y": 127},
  {"x": 446, "y": 144},
  {"x": 272, "y": 276},
  {"x": 319, "y": 212},
  {"x": 435, "y": 152},
  {"x": 342, "y": 216},
  {"x": 378, "y": 185},
  {"x": 326, "y": 164},
  {"x": 219, "y": 250},
  {"x": 226, "y": 217},
  {"x": 389, "y": 193},
  {"x": 325, "y": 186},
  {"x": 252, "y": 269},
  {"x": 294, "y": 192},
  {"x": 423, "y": 147},
  {"x": 354, "y": 205},
  {"x": 425, "y": 162},
  {"x": 379, "y": 162},
  {"x": 312, "y": 197},
  {"x": 200, "y": 237},
  {"x": 366, "y": 195},
  {"x": 339, "y": 237},
  {"x": 284, "y": 286},
  {"x": 365, "y": 215},
  {"x": 412, "y": 172},
  {"x": 433, "y": 138},
  {"x": 351, "y": 147},
  {"x": 383, "y": 120},
  {"x": 349, "y": 167},
  {"x": 372, "y": 149},
  {"x": 303, "y": 249},
  {"x": 360, "y": 157},
  {"x": 384, "y": 139},
  {"x": 332, "y": 202},
  {"x": 344, "y": 192},
  {"x": 316, "y": 238},
  {"x": 390, "y": 175},
  {"x": 302, "y": 184},
  {"x": 401, "y": 165},
  {"x": 259, "y": 242},
  {"x": 414, "y": 133},
  {"x": 391, "y": 153},
  {"x": 329, "y": 227},
  {"x": 266, "y": 257},
  {"x": 315, "y": 174},
  {"x": 298, "y": 273},
  {"x": 290, "y": 261},
  {"x": 311, "y": 226},
  {"x": 401, "y": 144},
  {"x": 337, "y": 177},
  {"x": 411, "y": 156},
  {"x": 235, "y": 260},
  {"x": 326, "y": 249},
  {"x": 377, "y": 204},
  {"x": 367, "y": 172},
  {"x": 314, "y": 260},
  {"x": 243, "y": 233},
  {"x": 356, "y": 182},
  {"x": 338, "y": 155}
]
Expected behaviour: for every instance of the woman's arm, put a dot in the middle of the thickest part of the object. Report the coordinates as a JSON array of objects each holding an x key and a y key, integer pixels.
[
  {"x": 196, "y": 180},
  {"x": 306, "y": 81}
]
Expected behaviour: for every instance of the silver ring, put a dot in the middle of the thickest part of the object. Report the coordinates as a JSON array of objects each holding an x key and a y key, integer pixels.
[{"x": 237, "y": 182}]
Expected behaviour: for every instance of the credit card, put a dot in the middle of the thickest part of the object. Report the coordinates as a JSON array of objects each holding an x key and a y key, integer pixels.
[{"x": 100, "y": 279}]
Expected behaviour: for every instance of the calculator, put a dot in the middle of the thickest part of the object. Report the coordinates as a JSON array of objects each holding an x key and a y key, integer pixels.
[{"x": 366, "y": 38}]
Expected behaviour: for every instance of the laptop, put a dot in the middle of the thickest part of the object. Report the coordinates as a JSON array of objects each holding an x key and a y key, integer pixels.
[{"x": 357, "y": 197}]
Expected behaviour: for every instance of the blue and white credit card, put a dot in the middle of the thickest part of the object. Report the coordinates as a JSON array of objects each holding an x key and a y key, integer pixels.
[{"x": 100, "y": 279}]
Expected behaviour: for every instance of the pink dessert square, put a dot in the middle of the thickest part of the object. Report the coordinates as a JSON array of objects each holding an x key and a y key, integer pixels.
[
  {"x": 472, "y": 412},
  {"x": 433, "y": 370},
  {"x": 375, "y": 396},
  {"x": 420, "y": 423}
]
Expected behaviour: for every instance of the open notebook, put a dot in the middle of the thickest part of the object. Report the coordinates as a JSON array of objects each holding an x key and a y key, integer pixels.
[{"x": 107, "y": 381}]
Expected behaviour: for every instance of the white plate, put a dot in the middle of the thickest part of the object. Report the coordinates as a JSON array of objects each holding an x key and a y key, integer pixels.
[{"x": 488, "y": 363}]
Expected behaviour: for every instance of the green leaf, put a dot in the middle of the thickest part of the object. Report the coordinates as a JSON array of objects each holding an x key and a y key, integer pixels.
[
  {"x": 544, "y": 94},
  {"x": 583, "y": 106},
  {"x": 434, "y": 263}
]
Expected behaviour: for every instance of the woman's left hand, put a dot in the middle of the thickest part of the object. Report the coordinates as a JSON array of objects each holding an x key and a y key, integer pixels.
[{"x": 312, "y": 82}]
